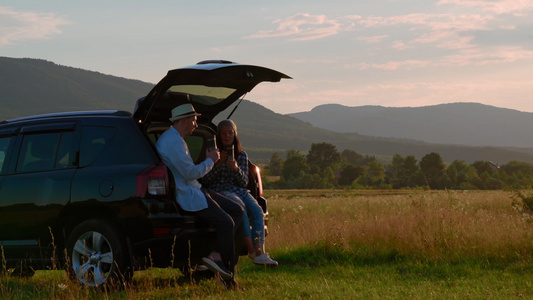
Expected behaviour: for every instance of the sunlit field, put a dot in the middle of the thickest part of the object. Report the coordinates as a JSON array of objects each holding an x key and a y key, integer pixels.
[
  {"x": 423, "y": 226},
  {"x": 355, "y": 245}
]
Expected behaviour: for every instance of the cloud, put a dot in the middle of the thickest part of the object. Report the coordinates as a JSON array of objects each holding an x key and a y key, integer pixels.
[
  {"x": 301, "y": 27},
  {"x": 444, "y": 40},
  {"x": 457, "y": 43},
  {"x": 485, "y": 56},
  {"x": 442, "y": 30},
  {"x": 465, "y": 57},
  {"x": 394, "y": 65},
  {"x": 18, "y": 26},
  {"x": 450, "y": 35},
  {"x": 400, "y": 45},
  {"x": 516, "y": 7},
  {"x": 451, "y": 32},
  {"x": 373, "y": 39}
]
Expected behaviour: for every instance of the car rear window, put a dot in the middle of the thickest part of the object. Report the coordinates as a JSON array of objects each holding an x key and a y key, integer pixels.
[{"x": 201, "y": 94}]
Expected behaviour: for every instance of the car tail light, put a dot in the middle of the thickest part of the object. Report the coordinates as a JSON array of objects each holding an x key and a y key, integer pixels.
[
  {"x": 153, "y": 181},
  {"x": 259, "y": 182},
  {"x": 162, "y": 231}
]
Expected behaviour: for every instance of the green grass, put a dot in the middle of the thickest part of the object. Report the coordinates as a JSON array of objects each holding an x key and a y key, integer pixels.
[
  {"x": 342, "y": 245},
  {"x": 311, "y": 273}
]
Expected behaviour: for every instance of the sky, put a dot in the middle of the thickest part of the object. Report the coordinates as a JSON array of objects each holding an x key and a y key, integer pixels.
[{"x": 393, "y": 53}]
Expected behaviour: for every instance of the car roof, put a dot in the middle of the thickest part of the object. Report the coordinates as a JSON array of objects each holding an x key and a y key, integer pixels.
[
  {"x": 211, "y": 86},
  {"x": 68, "y": 114}
]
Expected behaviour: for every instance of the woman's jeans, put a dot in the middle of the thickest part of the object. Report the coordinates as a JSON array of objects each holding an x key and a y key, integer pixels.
[{"x": 252, "y": 212}]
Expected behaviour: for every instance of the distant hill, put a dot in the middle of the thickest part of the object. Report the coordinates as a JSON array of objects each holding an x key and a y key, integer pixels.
[
  {"x": 266, "y": 131},
  {"x": 32, "y": 86},
  {"x": 455, "y": 123}
]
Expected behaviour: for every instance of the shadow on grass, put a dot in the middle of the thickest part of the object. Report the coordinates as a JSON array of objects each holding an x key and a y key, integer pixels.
[
  {"x": 404, "y": 267},
  {"x": 322, "y": 255},
  {"x": 171, "y": 277}
]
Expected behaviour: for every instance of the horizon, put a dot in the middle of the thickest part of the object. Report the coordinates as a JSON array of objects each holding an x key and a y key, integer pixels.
[
  {"x": 410, "y": 53},
  {"x": 430, "y": 105}
]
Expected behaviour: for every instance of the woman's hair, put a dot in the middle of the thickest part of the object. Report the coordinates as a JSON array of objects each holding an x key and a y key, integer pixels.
[{"x": 237, "y": 147}]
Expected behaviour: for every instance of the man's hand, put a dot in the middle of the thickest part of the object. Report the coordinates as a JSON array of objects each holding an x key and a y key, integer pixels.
[
  {"x": 213, "y": 154},
  {"x": 222, "y": 158}
]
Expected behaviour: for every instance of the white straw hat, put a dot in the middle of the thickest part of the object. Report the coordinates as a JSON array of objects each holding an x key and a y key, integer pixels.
[{"x": 183, "y": 111}]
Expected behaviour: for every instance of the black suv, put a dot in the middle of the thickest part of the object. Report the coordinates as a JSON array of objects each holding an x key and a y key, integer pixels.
[{"x": 87, "y": 191}]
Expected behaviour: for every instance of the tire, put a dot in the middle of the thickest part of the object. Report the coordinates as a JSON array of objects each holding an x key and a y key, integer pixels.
[{"x": 97, "y": 255}]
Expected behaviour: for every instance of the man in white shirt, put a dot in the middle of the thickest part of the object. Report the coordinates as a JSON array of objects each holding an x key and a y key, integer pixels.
[{"x": 223, "y": 213}]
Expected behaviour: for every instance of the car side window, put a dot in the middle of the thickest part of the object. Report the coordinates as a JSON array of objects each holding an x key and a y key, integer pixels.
[
  {"x": 38, "y": 152},
  {"x": 197, "y": 142},
  {"x": 66, "y": 154},
  {"x": 93, "y": 141},
  {"x": 4, "y": 145},
  {"x": 195, "y": 145}
]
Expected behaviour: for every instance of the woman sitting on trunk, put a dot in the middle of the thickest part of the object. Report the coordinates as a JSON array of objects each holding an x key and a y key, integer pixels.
[{"x": 229, "y": 177}]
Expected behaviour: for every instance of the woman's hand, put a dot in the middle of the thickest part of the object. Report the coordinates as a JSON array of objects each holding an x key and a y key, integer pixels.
[{"x": 232, "y": 164}]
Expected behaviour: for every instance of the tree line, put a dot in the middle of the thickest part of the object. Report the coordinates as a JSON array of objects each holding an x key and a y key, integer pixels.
[{"x": 325, "y": 167}]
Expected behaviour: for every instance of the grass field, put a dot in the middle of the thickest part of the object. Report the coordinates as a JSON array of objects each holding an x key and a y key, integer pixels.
[{"x": 356, "y": 245}]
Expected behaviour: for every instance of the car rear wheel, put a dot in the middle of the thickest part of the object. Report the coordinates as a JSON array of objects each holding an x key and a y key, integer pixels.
[{"x": 98, "y": 255}]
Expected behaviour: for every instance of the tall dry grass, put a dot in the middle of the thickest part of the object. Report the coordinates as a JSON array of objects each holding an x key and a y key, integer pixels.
[
  {"x": 425, "y": 225},
  {"x": 369, "y": 226}
]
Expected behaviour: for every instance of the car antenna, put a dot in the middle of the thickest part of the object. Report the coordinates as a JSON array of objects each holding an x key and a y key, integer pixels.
[{"x": 231, "y": 113}]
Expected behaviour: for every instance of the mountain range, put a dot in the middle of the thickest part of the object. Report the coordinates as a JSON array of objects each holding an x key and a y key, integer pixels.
[
  {"x": 32, "y": 86},
  {"x": 471, "y": 124}
]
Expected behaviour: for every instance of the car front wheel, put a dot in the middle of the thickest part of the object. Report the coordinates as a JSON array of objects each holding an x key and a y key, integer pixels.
[{"x": 98, "y": 255}]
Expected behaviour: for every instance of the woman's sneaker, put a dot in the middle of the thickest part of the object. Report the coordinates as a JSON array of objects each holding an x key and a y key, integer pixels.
[{"x": 265, "y": 260}]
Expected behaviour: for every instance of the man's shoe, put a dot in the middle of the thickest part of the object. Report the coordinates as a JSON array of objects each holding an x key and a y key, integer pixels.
[
  {"x": 217, "y": 267},
  {"x": 232, "y": 285},
  {"x": 228, "y": 284},
  {"x": 265, "y": 260},
  {"x": 201, "y": 268}
]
